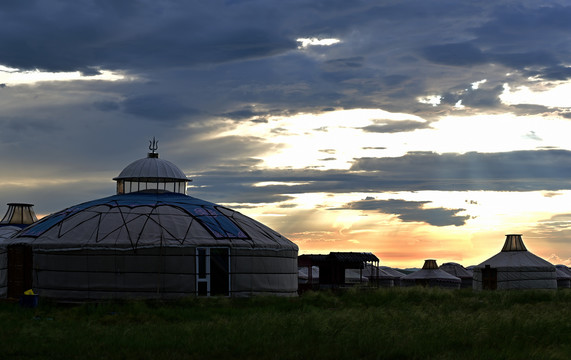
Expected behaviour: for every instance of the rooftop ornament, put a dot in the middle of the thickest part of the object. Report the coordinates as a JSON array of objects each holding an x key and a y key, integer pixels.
[{"x": 153, "y": 146}]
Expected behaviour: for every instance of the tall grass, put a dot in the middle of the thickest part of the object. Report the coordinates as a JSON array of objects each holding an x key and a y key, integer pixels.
[{"x": 399, "y": 323}]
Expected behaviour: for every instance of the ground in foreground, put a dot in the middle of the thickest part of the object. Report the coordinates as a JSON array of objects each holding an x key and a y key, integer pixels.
[{"x": 399, "y": 323}]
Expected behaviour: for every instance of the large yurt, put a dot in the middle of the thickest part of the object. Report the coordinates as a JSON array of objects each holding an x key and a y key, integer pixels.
[
  {"x": 460, "y": 272},
  {"x": 430, "y": 275},
  {"x": 514, "y": 268},
  {"x": 150, "y": 240}
]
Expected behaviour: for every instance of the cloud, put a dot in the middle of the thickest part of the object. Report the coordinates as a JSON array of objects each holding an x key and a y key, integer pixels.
[
  {"x": 394, "y": 126},
  {"x": 513, "y": 171},
  {"x": 458, "y": 54},
  {"x": 158, "y": 107},
  {"x": 412, "y": 211}
]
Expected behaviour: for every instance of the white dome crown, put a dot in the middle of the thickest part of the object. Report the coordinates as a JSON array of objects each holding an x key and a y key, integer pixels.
[{"x": 151, "y": 174}]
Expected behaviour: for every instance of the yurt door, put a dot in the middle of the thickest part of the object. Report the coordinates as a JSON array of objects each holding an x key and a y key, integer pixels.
[
  {"x": 489, "y": 278},
  {"x": 212, "y": 271},
  {"x": 19, "y": 270}
]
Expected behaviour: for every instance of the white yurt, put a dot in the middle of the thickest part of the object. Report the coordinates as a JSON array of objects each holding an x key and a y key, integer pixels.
[
  {"x": 150, "y": 240},
  {"x": 430, "y": 275},
  {"x": 563, "y": 276},
  {"x": 514, "y": 268},
  {"x": 460, "y": 272}
]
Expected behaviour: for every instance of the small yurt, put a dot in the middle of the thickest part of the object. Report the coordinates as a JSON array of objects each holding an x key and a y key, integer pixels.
[
  {"x": 514, "y": 268},
  {"x": 17, "y": 217},
  {"x": 304, "y": 277},
  {"x": 563, "y": 277},
  {"x": 430, "y": 275},
  {"x": 377, "y": 276},
  {"x": 393, "y": 273},
  {"x": 460, "y": 272},
  {"x": 150, "y": 240}
]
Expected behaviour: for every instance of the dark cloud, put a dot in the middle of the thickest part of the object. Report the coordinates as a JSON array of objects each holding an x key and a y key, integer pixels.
[
  {"x": 559, "y": 73},
  {"x": 158, "y": 107},
  {"x": 483, "y": 97},
  {"x": 516, "y": 171},
  {"x": 106, "y": 105},
  {"x": 412, "y": 211},
  {"x": 459, "y": 54},
  {"x": 394, "y": 126},
  {"x": 511, "y": 171},
  {"x": 87, "y": 35}
]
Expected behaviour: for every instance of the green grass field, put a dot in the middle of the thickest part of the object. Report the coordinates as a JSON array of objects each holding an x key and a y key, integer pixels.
[{"x": 399, "y": 323}]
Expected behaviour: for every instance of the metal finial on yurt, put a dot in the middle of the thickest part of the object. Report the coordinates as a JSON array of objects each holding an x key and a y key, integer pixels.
[
  {"x": 430, "y": 264},
  {"x": 153, "y": 146},
  {"x": 19, "y": 214},
  {"x": 514, "y": 243}
]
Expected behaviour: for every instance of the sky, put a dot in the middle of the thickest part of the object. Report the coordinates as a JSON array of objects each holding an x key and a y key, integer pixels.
[{"x": 411, "y": 129}]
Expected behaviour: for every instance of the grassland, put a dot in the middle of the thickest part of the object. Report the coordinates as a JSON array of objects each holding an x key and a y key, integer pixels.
[{"x": 399, "y": 323}]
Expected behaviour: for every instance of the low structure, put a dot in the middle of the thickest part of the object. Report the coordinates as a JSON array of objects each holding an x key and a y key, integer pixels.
[
  {"x": 514, "y": 268},
  {"x": 332, "y": 268}
]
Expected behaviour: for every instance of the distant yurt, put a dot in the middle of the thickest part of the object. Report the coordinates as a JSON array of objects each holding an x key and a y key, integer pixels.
[
  {"x": 378, "y": 276},
  {"x": 355, "y": 276},
  {"x": 150, "y": 240},
  {"x": 563, "y": 277},
  {"x": 460, "y": 272},
  {"x": 304, "y": 277},
  {"x": 430, "y": 275},
  {"x": 514, "y": 268},
  {"x": 395, "y": 274},
  {"x": 17, "y": 217}
]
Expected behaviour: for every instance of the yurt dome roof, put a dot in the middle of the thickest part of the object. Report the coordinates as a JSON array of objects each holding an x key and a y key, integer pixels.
[
  {"x": 395, "y": 273},
  {"x": 151, "y": 167},
  {"x": 8, "y": 231},
  {"x": 563, "y": 268},
  {"x": 562, "y": 274},
  {"x": 515, "y": 255},
  {"x": 138, "y": 220},
  {"x": 429, "y": 271},
  {"x": 456, "y": 270}
]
